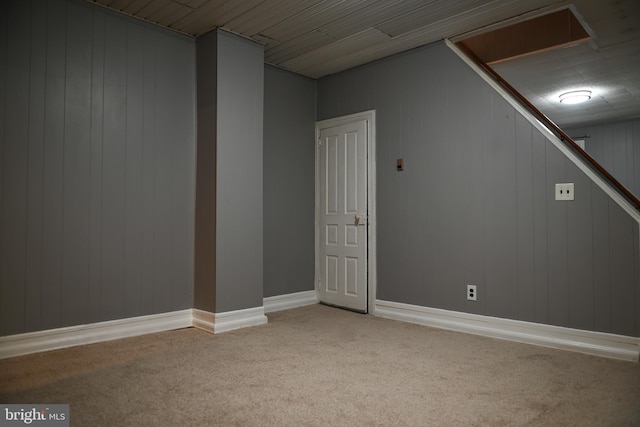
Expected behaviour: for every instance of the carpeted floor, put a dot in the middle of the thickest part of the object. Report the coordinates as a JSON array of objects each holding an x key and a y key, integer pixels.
[{"x": 321, "y": 366}]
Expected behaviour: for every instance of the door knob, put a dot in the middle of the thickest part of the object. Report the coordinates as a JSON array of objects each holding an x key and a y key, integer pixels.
[{"x": 357, "y": 218}]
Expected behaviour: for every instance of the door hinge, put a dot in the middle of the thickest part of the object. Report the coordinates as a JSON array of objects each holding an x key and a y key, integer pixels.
[{"x": 319, "y": 142}]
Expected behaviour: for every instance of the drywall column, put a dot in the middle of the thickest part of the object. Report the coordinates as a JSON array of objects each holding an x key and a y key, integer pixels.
[
  {"x": 229, "y": 230},
  {"x": 205, "y": 224}
]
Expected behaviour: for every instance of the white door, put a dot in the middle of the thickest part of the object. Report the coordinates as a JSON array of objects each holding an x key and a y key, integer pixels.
[{"x": 342, "y": 215}]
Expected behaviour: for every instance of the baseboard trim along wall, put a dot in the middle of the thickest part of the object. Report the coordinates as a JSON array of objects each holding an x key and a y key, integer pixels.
[
  {"x": 288, "y": 301},
  {"x": 595, "y": 343},
  {"x": 589, "y": 342},
  {"x": 52, "y": 339},
  {"x": 228, "y": 321}
]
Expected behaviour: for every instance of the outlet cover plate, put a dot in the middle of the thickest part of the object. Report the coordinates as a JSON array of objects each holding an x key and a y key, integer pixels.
[
  {"x": 565, "y": 191},
  {"x": 472, "y": 292}
]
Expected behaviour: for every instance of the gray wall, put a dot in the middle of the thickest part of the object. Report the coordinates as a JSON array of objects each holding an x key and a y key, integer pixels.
[
  {"x": 475, "y": 202},
  {"x": 616, "y": 146},
  {"x": 232, "y": 133},
  {"x": 239, "y": 173},
  {"x": 97, "y": 163},
  {"x": 289, "y": 165},
  {"x": 205, "y": 221}
]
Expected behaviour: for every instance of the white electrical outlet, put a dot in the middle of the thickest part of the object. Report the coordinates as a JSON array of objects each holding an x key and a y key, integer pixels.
[
  {"x": 472, "y": 292},
  {"x": 565, "y": 191}
]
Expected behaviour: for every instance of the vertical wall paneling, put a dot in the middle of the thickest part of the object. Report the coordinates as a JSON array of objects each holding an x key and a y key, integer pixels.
[
  {"x": 289, "y": 156},
  {"x": 239, "y": 147},
  {"x": 52, "y": 232},
  {"x": 388, "y": 181},
  {"x": 452, "y": 277},
  {"x": 525, "y": 266},
  {"x": 557, "y": 250},
  {"x": 205, "y": 218},
  {"x": 15, "y": 169},
  {"x": 485, "y": 196},
  {"x": 114, "y": 168},
  {"x": 229, "y": 275},
  {"x": 436, "y": 243},
  {"x": 623, "y": 282},
  {"x": 602, "y": 268},
  {"x": 541, "y": 196},
  {"x": 424, "y": 258},
  {"x": 33, "y": 273},
  {"x": 500, "y": 214},
  {"x": 392, "y": 97},
  {"x": 616, "y": 146},
  {"x": 475, "y": 259},
  {"x": 150, "y": 135},
  {"x": 580, "y": 260},
  {"x": 76, "y": 166},
  {"x": 411, "y": 123},
  {"x": 163, "y": 195},
  {"x": 133, "y": 170},
  {"x": 177, "y": 63},
  {"x": 98, "y": 147},
  {"x": 95, "y": 164},
  {"x": 4, "y": 35}
]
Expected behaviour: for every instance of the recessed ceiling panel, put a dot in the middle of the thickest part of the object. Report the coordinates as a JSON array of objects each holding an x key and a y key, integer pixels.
[{"x": 549, "y": 31}]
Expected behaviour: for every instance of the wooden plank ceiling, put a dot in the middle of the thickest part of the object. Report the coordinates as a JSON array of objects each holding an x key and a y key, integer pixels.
[
  {"x": 316, "y": 38},
  {"x": 320, "y": 37}
]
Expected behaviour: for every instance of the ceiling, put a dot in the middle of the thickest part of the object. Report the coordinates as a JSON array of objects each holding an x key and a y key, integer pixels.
[{"x": 321, "y": 37}]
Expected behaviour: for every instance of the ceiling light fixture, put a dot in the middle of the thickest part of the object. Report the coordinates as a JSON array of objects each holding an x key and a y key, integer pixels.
[{"x": 575, "y": 97}]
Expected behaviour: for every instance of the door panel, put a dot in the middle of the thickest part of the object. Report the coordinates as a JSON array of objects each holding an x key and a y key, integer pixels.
[{"x": 342, "y": 153}]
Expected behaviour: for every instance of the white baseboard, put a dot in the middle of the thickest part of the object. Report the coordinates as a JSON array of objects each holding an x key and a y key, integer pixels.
[
  {"x": 595, "y": 343},
  {"x": 52, "y": 339},
  {"x": 34, "y": 342},
  {"x": 288, "y": 301},
  {"x": 228, "y": 321}
]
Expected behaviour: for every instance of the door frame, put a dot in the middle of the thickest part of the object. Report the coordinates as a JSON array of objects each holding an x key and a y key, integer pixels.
[{"x": 370, "y": 117}]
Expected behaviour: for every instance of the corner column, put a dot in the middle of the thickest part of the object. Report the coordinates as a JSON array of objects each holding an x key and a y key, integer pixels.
[{"x": 228, "y": 290}]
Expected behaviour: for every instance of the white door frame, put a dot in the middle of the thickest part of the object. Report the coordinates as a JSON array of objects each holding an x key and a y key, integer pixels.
[{"x": 370, "y": 117}]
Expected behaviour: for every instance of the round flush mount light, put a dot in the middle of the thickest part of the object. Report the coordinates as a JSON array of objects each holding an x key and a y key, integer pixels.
[{"x": 575, "y": 97}]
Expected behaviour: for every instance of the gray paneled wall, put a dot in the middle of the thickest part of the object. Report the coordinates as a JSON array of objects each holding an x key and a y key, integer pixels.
[
  {"x": 97, "y": 127},
  {"x": 616, "y": 146},
  {"x": 475, "y": 204},
  {"x": 239, "y": 202},
  {"x": 205, "y": 221},
  {"x": 289, "y": 165}
]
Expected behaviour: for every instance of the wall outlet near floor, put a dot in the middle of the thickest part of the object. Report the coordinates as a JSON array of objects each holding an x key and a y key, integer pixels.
[
  {"x": 565, "y": 191},
  {"x": 472, "y": 292}
]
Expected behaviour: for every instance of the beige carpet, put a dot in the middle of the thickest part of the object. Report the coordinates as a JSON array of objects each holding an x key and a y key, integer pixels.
[{"x": 321, "y": 366}]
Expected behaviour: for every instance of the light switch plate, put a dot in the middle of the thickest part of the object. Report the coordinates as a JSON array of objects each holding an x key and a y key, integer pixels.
[{"x": 565, "y": 191}]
